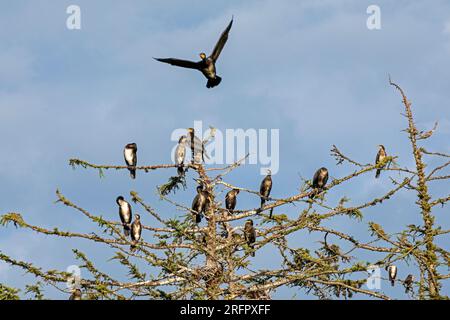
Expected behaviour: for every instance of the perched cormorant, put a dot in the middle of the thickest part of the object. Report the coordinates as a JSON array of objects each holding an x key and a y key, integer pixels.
[
  {"x": 130, "y": 155},
  {"x": 381, "y": 155},
  {"x": 408, "y": 282},
  {"x": 207, "y": 65},
  {"x": 136, "y": 230},
  {"x": 266, "y": 187},
  {"x": 230, "y": 200},
  {"x": 76, "y": 294},
  {"x": 180, "y": 154},
  {"x": 319, "y": 181},
  {"x": 392, "y": 272},
  {"x": 125, "y": 214},
  {"x": 197, "y": 146},
  {"x": 250, "y": 234},
  {"x": 199, "y": 203}
]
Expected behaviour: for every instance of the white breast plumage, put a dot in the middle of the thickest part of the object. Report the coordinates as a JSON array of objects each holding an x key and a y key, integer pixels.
[{"x": 129, "y": 155}]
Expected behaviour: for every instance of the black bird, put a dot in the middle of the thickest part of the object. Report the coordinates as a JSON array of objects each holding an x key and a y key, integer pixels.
[
  {"x": 198, "y": 152},
  {"x": 199, "y": 203},
  {"x": 408, "y": 282},
  {"x": 381, "y": 155},
  {"x": 130, "y": 155},
  {"x": 266, "y": 187},
  {"x": 125, "y": 214},
  {"x": 136, "y": 230},
  {"x": 250, "y": 234},
  {"x": 392, "y": 272},
  {"x": 76, "y": 295},
  {"x": 180, "y": 154},
  {"x": 230, "y": 200},
  {"x": 207, "y": 65},
  {"x": 319, "y": 181}
]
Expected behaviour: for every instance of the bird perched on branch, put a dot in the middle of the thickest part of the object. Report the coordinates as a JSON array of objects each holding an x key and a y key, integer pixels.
[
  {"x": 130, "y": 155},
  {"x": 319, "y": 181},
  {"x": 207, "y": 65},
  {"x": 125, "y": 214},
  {"x": 136, "y": 231},
  {"x": 76, "y": 294},
  {"x": 265, "y": 188},
  {"x": 230, "y": 200},
  {"x": 250, "y": 234},
  {"x": 180, "y": 154},
  {"x": 199, "y": 203},
  {"x": 198, "y": 152},
  {"x": 408, "y": 282},
  {"x": 392, "y": 272},
  {"x": 381, "y": 155}
]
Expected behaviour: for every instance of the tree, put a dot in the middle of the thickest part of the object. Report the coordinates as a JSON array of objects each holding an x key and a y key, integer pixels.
[{"x": 213, "y": 261}]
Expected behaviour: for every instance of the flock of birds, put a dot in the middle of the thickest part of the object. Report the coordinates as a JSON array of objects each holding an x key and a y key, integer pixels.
[{"x": 207, "y": 66}]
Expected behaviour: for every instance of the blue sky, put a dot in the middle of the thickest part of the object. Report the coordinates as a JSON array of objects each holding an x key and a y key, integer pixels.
[{"x": 309, "y": 68}]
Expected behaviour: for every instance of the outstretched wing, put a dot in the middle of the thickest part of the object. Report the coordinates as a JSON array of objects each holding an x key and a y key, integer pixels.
[
  {"x": 221, "y": 43},
  {"x": 180, "y": 63}
]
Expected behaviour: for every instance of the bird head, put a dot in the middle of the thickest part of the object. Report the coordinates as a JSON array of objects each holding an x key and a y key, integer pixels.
[
  {"x": 119, "y": 199},
  {"x": 236, "y": 191},
  {"x": 182, "y": 139},
  {"x": 131, "y": 146},
  {"x": 380, "y": 146},
  {"x": 249, "y": 221},
  {"x": 269, "y": 172},
  {"x": 137, "y": 217},
  {"x": 202, "y": 56}
]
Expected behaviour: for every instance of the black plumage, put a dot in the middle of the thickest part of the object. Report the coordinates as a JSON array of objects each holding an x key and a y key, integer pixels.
[
  {"x": 199, "y": 204},
  {"x": 207, "y": 65},
  {"x": 230, "y": 200},
  {"x": 136, "y": 231},
  {"x": 408, "y": 282},
  {"x": 250, "y": 234},
  {"x": 130, "y": 155},
  {"x": 265, "y": 188},
  {"x": 125, "y": 214},
  {"x": 381, "y": 155},
  {"x": 319, "y": 181}
]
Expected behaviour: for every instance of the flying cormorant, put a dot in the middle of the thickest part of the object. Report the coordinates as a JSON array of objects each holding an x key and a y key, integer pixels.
[{"x": 207, "y": 65}]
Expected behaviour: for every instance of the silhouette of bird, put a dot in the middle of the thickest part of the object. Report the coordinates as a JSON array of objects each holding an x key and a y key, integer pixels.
[
  {"x": 250, "y": 234},
  {"x": 230, "y": 200},
  {"x": 130, "y": 155},
  {"x": 199, "y": 203},
  {"x": 381, "y": 155},
  {"x": 136, "y": 231},
  {"x": 319, "y": 181},
  {"x": 408, "y": 282},
  {"x": 265, "y": 187},
  {"x": 207, "y": 65},
  {"x": 125, "y": 214},
  {"x": 198, "y": 152}
]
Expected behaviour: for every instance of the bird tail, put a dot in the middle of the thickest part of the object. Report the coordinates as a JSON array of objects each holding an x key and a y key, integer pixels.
[
  {"x": 262, "y": 202},
  {"x": 126, "y": 230},
  {"x": 392, "y": 282},
  {"x": 378, "y": 173},
  {"x": 213, "y": 82},
  {"x": 132, "y": 172},
  {"x": 133, "y": 246},
  {"x": 271, "y": 212},
  {"x": 252, "y": 246},
  {"x": 198, "y": 218},
  {"x": 180, "y": 170},
  {"x": 313, "y": 194}
]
